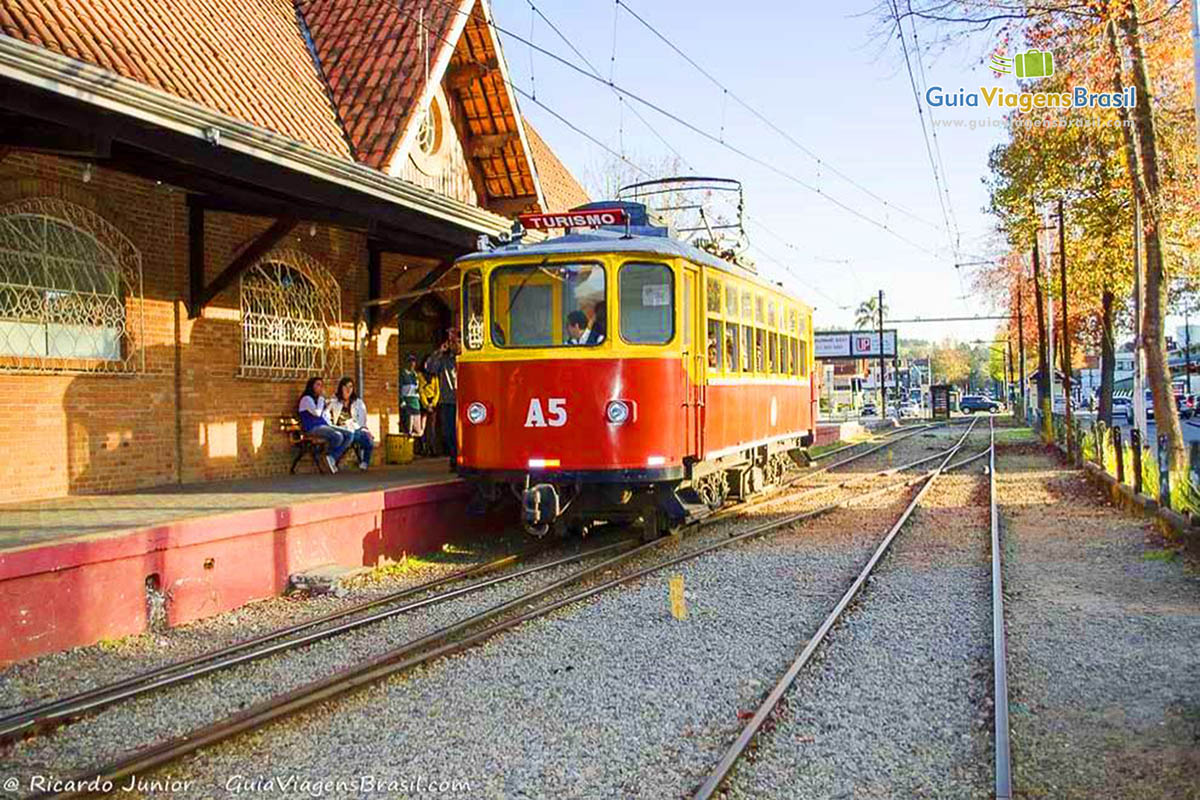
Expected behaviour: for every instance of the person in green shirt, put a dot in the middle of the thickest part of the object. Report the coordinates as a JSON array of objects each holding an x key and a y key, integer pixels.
[{"x": 410, "y": 398}]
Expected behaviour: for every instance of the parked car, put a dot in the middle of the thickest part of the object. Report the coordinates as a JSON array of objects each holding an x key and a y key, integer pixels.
[
  {"x": 971, "y": 403},
  {"x": 869, "y": 410},
  {"x": 1186, "y": 404},
  {"x": 1149, "y": 408},
  {"x": 1122, "y": 407},
  {"x": 910, "y": 411}
]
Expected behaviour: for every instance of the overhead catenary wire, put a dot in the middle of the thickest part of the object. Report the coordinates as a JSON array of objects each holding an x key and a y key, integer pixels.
[
  {"x": 700, "y": 131},
  {"x": 912, "y": 81},
  {"x": 780, "y": 263},
  {"x": 937, "y": 148},
  {"x": 596, "y": 73},
  {"x": 769, "y": 257},
  {"x": 728, "y": 94}
]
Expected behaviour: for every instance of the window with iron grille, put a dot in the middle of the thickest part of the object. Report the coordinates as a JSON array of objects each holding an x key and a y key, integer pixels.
[
  {"x": 70, "y": 291},
  {"x": 291, "y": 306}
]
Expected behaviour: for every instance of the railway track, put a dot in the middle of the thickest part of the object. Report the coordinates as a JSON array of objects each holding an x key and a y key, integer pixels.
[
  {"x": 444, "y": 641},
  {"x": 745, "y": 740},
  {"x": 61, "y": 711}
]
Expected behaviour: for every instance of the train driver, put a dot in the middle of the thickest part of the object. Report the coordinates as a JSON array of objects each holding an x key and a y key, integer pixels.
[{"x": 576, "y": 327}]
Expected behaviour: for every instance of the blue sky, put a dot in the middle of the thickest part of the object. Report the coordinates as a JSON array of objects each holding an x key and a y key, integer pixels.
[{"x": 815, "y": 70}]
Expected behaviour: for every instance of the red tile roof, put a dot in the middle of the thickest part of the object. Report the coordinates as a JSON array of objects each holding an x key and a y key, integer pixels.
[
  {"x": 244, "y": 58},
  {"x": 373, "y": 59},
  {"x": 342, "y": 76},
  {"x": 559, "y": 186}
]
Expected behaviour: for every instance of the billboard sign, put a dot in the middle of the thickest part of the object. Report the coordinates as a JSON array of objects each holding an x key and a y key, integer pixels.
[{"x": 853, "y": 344}]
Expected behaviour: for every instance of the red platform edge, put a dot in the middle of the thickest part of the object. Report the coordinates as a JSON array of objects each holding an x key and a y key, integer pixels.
[{"x": 68, "y": 594}]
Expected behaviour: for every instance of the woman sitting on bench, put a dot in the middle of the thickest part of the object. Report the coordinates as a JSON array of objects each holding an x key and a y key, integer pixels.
[
  {"x": 314, "y": 419},
  {"x": 349, "y": 413}
]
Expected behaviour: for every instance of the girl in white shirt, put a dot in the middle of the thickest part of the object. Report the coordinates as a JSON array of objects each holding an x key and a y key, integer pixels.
[
  {"x": 314, "y": 419},
  {"x": 349, "y": 412}
]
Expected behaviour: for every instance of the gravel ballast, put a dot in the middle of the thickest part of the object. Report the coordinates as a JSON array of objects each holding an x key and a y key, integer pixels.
[
  {"x": 604, "y": 673},
  {"x": 896, "y": 702}
]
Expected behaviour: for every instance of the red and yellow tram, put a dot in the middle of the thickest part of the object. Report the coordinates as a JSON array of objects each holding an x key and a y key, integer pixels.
[{"x": 618, "y": 374}]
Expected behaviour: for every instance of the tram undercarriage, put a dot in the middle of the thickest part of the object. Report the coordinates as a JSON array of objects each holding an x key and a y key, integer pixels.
[{"x": 572, "y": 505}]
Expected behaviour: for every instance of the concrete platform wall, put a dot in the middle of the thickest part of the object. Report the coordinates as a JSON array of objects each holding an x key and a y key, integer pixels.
[{"x": 76, "y": 593}]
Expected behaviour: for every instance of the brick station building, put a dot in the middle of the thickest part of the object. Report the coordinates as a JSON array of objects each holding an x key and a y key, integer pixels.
[{"x": 196, "y": 200}]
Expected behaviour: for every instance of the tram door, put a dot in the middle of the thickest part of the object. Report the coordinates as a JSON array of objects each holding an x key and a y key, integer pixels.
[{"x": 694, "y": 354}]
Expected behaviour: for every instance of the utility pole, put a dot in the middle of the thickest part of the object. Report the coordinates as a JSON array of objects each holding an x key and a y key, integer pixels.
[
  {"x": 1139, "y": 386},
  {"x": 1066, "y": 344},
  {"x": 1021, "y": 342},
  {"x": 1043, "y": 375},
  {"x": 1008, "y": 395},
  {"x": 882, "y": 385},
  {"x": 1187, "y": 347},
  {"x": 895, "y": 370}
]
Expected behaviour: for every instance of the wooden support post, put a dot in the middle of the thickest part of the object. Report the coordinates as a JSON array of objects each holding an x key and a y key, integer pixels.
[
  {"x": 1135, "y": 447},
  {"x": 374, "y": 284},
  {"x": 1164, "y": 471},
  {"x": 1194, "y": 463},
  {"x": 195, "y": 256},
  {"x": 1116, "y": 440}
]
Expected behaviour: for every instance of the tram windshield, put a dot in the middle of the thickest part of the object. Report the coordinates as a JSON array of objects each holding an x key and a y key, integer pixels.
[{"x": 549, "y": 305}]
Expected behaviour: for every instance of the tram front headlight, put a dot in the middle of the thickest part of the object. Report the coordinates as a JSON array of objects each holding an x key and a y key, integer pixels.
[
  {"x": 477, "y": 413},
  {"x": 617, "y": 412}
]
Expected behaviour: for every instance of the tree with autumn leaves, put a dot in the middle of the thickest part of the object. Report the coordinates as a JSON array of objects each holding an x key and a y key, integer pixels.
[{"x": 1101, "y": 163}]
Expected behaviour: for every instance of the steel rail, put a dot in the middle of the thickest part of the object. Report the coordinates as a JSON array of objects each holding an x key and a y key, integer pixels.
[
  {"x": 62, "y": 710},
  {"x": 432, "y": 646},
  {"x": 888, "y": 443},
  {"x": 999, "y": 646},
  {"x": 735, "y": 750},
  {"x": 852, "y": 445}
]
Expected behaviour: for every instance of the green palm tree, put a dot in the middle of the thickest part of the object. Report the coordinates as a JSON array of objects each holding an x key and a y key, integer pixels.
[{"x": 867, "y": 314}]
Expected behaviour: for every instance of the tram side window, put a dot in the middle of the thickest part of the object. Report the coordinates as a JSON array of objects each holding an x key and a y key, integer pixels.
[
  {"x": 713, "y": 296},
  {"x": 647, "y": 303},
  {"x": 732, "y": 343},
  {"x": 548, "y": 305},
  {"x": 760, "y": 346},
  {"x": 714, "y": 344},
  {"x": 785, "y": 355},
  {"x": 773, "y": 352},
  {"x": 748, "y": 349},
  {"x": 472, "y": 310},
  {"x": 800, "y": 358},
  {"x": 731, "y": 302}
]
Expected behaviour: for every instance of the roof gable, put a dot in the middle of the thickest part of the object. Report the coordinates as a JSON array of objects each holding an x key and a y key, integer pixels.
[{"x": 373, "y": 55}]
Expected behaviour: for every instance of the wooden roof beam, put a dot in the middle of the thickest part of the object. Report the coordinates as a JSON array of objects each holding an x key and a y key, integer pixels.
[
  {"x": 243, "y": 261},
  {"x": 462, "y": 76},
  {"x": 490, "y": 144},
  {"x": 511, "y": 206}
]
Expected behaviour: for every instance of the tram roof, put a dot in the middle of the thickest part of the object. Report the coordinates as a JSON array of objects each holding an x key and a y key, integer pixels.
[{"x": 641, "y": 239}]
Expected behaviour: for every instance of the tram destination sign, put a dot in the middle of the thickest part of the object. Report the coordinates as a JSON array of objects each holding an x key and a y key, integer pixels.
[
  {"x": 591, "y": 218},
  {"x": 853, "y": 344}
]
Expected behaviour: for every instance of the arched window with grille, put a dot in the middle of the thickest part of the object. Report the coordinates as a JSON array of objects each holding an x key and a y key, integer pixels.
[
  {"x": 70, "y": 290},
  {"x": 290, "y": 306}
]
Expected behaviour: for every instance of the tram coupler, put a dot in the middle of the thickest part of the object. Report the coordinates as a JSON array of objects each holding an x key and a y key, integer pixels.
[{"x": 539, "y": 508}]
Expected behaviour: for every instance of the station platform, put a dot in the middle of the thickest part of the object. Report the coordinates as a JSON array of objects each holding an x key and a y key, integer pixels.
[{"x": 75, "y": 570}]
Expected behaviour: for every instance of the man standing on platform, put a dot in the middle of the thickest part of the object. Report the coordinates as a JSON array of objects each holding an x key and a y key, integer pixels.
[{"x": 443, "y": 363}]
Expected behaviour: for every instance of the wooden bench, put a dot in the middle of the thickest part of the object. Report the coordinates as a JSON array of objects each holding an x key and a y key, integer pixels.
[{"x": 302, "y": 443}]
